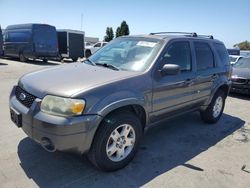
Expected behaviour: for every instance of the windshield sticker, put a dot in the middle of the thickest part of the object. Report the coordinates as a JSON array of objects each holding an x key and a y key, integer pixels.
[{"x": 146, "y": 44}]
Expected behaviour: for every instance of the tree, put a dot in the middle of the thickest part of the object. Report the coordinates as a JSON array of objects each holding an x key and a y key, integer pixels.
[
  {"x": 109, "y": 34},
  {"x": 243, "y": 45},
  {"x": 118, "y": 32},
  {"x": 122, "y": 30}
]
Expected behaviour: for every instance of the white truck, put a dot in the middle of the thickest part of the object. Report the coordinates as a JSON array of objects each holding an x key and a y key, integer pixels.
[{"x": 89, "y": 50}]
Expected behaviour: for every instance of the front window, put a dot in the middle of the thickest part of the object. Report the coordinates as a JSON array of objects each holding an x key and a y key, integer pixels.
[
  {"x": 131, "y": 54},
  {"x": 243, "y": 63},
  {"x": 179, "y": 53},
  {"x": 97, "y": 45}
]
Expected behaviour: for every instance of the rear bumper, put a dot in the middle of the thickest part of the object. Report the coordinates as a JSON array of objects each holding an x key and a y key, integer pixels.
[{"x": 74, "y": 134}]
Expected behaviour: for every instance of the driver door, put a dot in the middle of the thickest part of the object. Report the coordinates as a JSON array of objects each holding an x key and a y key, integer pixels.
[{"x": 173, "y": 92}]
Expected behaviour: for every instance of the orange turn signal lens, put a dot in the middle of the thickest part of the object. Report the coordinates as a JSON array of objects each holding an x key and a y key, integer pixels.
[{"x": 77, "y": 108}]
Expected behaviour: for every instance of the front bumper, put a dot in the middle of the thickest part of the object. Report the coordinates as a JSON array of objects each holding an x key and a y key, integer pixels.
[
  {"x": 241, "y": 88},
  {"x": 74, "y": 134}
]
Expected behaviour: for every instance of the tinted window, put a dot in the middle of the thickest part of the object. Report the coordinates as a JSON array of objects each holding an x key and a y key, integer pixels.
[
  {"x": 104, "y": 44},
  {"x": 223, "y": 54},
  {"x": 243, "y": 63},
  {"x": 204, "y": 56},
  {"x": 179, "y": 53},
  {"x": 97, "y": 45},
  {"x": 22, "y": 36}
]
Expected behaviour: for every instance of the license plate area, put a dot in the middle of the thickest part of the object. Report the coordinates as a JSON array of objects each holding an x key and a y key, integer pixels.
[{"x": 16, "y": 117}]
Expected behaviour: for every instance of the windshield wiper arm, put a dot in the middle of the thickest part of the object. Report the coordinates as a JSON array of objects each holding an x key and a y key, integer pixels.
[
  {"x": 108, "y": 66},
  {"x": 90, "y": 61}
]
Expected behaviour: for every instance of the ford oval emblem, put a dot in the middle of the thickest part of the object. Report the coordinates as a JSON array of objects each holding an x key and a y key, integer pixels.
[{"x": 22, "y": 96}]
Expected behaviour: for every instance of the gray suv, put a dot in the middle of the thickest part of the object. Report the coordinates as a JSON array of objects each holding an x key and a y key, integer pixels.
[{"x": 102, "y": 106}]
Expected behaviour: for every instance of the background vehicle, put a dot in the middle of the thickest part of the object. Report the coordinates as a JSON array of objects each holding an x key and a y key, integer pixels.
[
  {"x": 70, "y": 44},
  {"x": 241, "y": 76},
  {"x": 233, "y": 51},
  {"x": 1, "y": 42},
  {"x": 36, "y": 41},
  {"x": 92, "y": 49},
  {"x": 234, "y": 59},
  {"x": 103, "y": 106}
]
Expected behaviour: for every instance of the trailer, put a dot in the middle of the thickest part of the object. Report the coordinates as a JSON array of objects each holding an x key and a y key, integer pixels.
[{"x": 70, "y": 44}]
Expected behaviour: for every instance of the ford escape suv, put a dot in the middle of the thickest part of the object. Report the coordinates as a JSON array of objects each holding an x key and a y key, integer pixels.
[{"x": 102, "y": 106}]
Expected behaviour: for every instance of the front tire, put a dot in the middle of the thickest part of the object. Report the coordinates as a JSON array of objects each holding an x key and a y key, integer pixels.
[
  {"x": 116, "y": 141},
  {"x": 215, "y": 109}
]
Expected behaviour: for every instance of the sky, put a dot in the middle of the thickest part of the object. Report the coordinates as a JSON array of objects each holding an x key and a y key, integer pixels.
[{"x": 226, "y": 20}]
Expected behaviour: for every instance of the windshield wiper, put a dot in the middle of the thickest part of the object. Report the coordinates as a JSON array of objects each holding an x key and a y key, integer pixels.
[
  {"x": 108, "y": 66},
  {"x": 91, "y": 62}
]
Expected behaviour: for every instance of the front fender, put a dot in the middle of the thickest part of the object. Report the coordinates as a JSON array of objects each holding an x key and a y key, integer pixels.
[{"x": 120, "y": 99}]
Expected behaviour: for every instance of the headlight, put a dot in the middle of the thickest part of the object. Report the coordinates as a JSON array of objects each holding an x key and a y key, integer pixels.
[{"x": 62, "y": 106}]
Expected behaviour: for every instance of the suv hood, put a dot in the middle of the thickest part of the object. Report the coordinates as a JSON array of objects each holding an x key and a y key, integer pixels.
[
  {"x": 241, "y": 72},
  {"x": 67, "y": 80}
]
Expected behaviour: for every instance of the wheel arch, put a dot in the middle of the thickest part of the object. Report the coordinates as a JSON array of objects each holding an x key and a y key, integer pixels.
[{"x": 223, "y": 87}]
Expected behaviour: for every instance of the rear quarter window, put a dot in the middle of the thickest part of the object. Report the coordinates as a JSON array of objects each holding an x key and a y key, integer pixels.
[
  {"x": 222, "y": 53},
  {"x": 21, "y": 36}
]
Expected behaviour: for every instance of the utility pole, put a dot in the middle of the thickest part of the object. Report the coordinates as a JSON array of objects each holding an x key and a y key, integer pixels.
[{"x": 81, "y": 20}]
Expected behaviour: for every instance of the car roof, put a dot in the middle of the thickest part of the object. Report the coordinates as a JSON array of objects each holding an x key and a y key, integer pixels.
[
  {"x": 167, "y": 37},
  {"x": 25, "y": 26}
]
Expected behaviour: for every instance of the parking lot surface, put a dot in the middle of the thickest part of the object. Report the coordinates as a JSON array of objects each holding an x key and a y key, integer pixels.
[{"x": 182, "y": 152}]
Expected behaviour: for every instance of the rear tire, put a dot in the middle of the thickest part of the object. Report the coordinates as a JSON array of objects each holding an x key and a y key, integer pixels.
[
  {"x": 74, "y": 59},
  {"x": 215, "y": 109},
  {"x": 45, "y": 60},
  {"x": 22, "y": 58},
  {"x": 116, "y": 141}
]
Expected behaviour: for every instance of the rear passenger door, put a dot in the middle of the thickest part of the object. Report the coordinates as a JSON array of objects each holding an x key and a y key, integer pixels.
[
  {"x": 173, "y": 92},
  {"x": 206, "y": 72}
]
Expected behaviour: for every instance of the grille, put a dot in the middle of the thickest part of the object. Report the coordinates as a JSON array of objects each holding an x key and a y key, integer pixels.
[
  {"x": 239, "y": 80},
  {"x": 27, "y": 100}
]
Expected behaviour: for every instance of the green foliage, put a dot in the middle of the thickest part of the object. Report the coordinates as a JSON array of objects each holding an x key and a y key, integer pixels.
[
  {"x": 122, "y": 30},
  {"x": 118, "y": 32},
  {"x": 109, "y": 34},
  {"x": 243, "y": 45}
]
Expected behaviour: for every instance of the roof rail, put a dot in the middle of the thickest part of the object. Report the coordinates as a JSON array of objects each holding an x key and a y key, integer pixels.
[
  {"x": 206, "y": 36},
  {"x": 183, "y": 33}
]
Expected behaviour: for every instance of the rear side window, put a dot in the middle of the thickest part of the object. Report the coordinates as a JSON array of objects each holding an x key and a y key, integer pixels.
[
  {"x": 223, "y": 54},
  {"x": 22, "y": 36},
  {"x": 204, "y": 56},
  {"x": 179, "y": 53}
]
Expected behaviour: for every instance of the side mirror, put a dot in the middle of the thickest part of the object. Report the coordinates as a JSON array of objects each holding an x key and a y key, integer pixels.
[{"x": 170, "y": 69}]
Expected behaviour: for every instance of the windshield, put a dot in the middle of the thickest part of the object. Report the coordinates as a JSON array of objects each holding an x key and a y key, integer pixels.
[
  {"x": 233, "y": 59},
  {"x": 243, "y": 63},
  {"x": 131, "y": 54}
]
